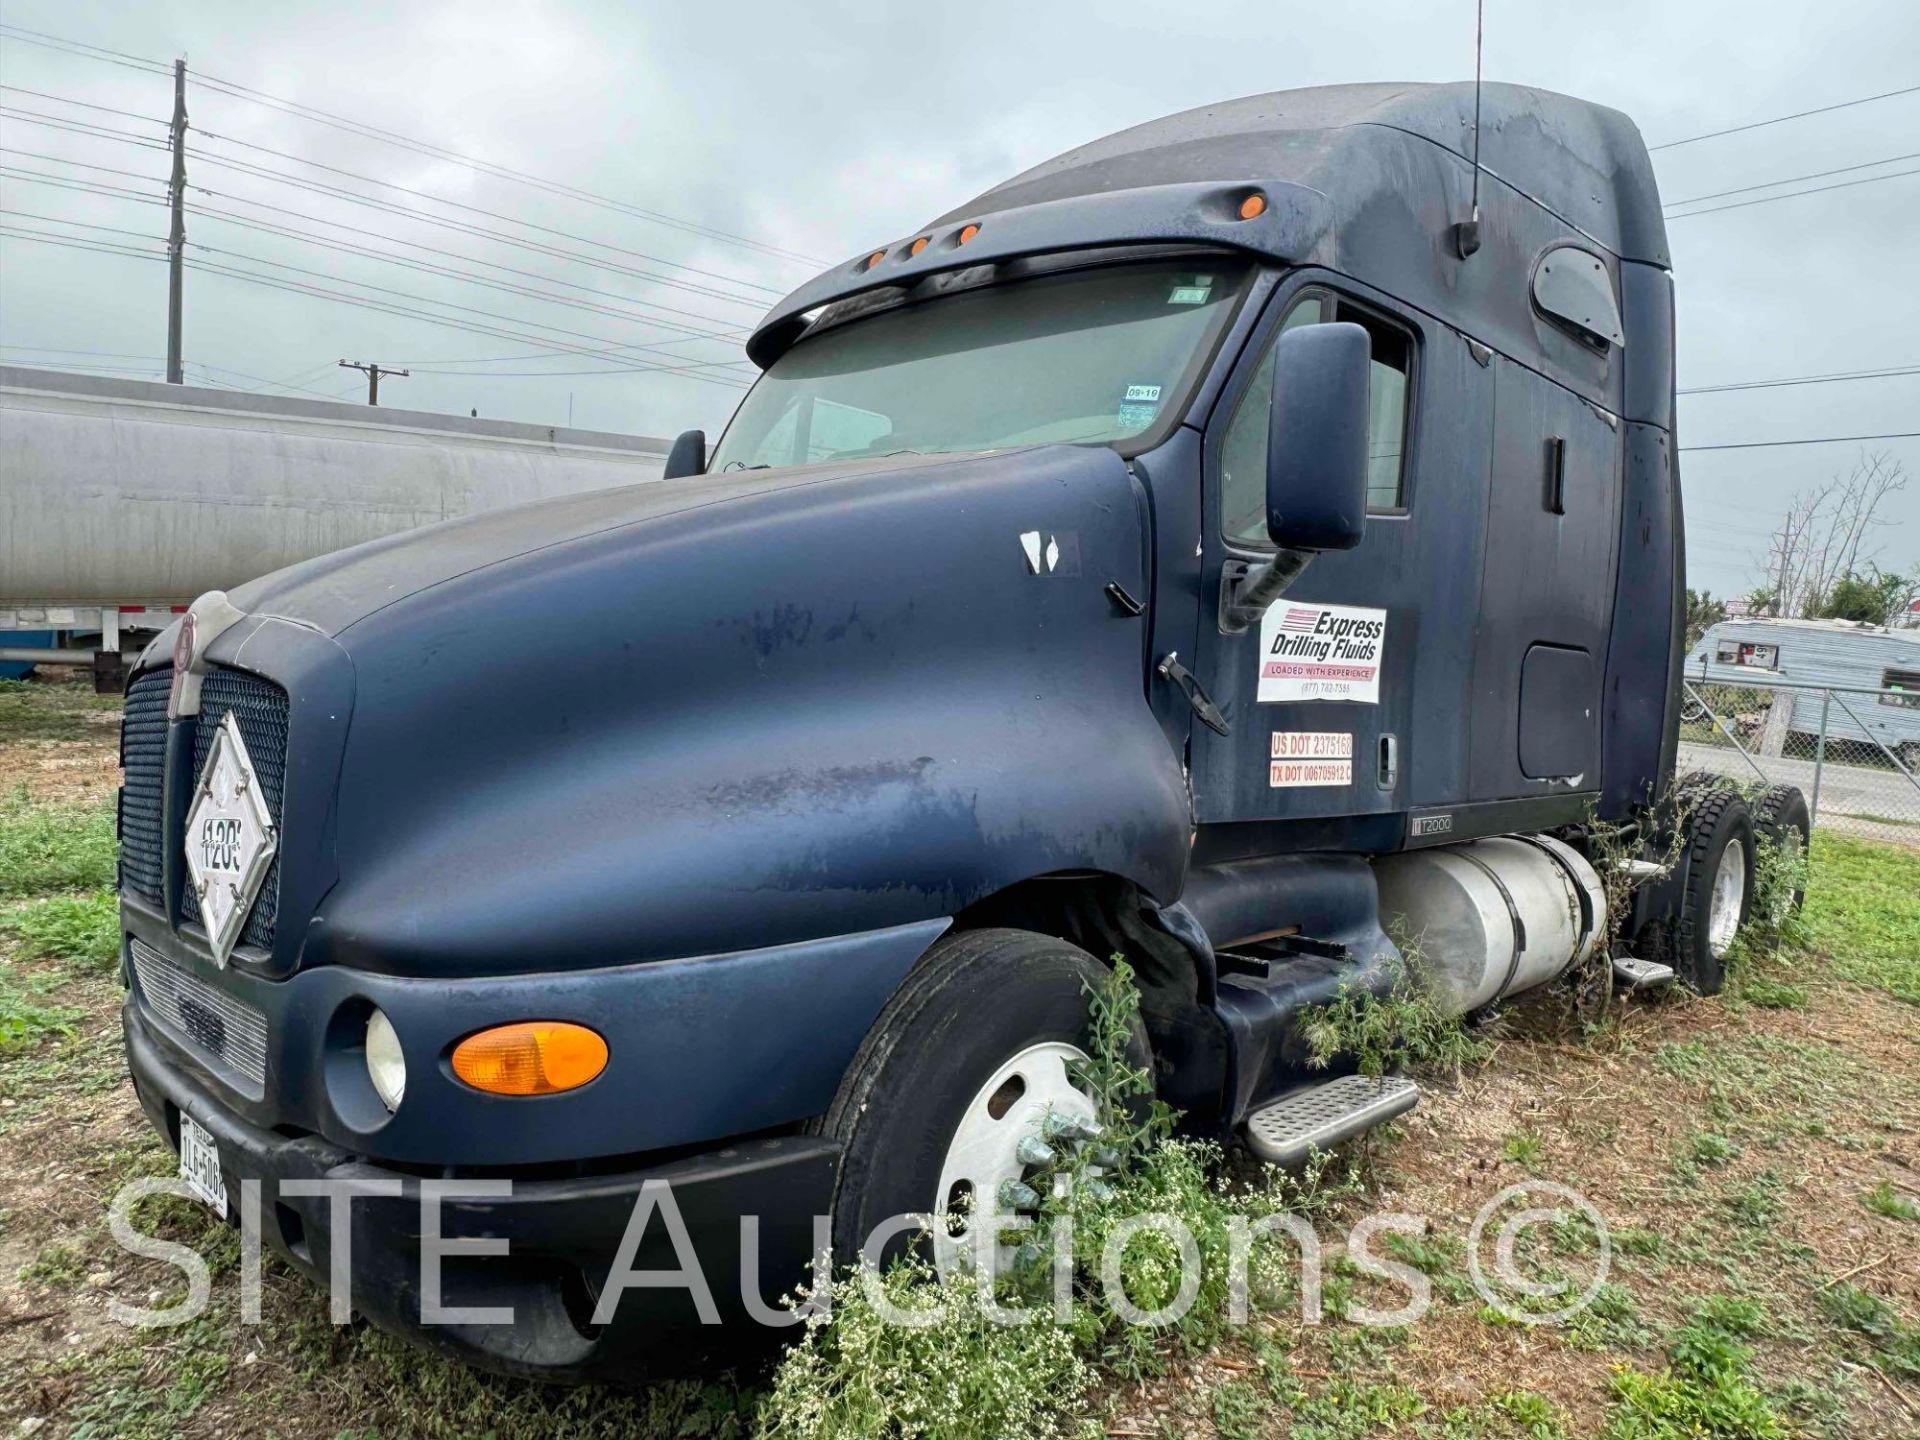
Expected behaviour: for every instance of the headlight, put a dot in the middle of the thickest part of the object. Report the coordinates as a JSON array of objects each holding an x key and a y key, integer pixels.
[{"x": 386, "y": 1066}]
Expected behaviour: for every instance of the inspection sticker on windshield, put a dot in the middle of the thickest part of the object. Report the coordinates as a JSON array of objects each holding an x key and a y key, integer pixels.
[
  {"x": 1192, "y": 294},
  {"x": 1310, "y": 757},
  {"x": 1321, "y": 652}
]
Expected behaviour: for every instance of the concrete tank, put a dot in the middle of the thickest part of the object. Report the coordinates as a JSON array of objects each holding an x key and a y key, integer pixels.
[{"x": 116, "y": 491}]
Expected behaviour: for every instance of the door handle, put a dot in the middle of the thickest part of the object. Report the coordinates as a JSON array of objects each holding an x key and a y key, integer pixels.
[
  {"x": 1209, "y": 713},
  {"x": 1556, "y": 475},
  {"x": 1389, "y": 762}
]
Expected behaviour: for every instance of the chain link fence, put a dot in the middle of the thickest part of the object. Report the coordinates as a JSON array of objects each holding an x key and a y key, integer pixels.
[{"x": 1854, "y": 753}]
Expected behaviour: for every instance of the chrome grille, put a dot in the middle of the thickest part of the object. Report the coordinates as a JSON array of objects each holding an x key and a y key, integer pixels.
[
  {"x": 206, "y": 1018},
  {"x": 260, "y": 708},
  {"x": 143, "y": 756}
]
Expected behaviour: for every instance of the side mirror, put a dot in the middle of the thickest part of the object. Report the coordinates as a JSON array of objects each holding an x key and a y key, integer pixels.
[
  {"x": 1317, "y": 440},
  {"x": 688, "y": 455}
]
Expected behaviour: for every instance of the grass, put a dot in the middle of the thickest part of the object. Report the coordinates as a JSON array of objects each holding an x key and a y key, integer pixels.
[
  {"x": 1733, "y": 1312},
  {"x": 48, "y": 846},
  {"x": 83, "y": 929},
  {"x": 1863, "y": 913},
  {"x": 36, "y": 710},
  {"x": 1883, "y": 1199}
]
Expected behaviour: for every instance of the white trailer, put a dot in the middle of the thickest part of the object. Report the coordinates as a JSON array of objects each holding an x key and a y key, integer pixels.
[
  {"x": 123, "y": 500},
  {"x": 1805, "y": 658}
]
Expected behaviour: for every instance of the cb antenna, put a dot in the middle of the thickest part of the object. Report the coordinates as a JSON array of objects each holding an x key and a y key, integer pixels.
[{"x": 1466, "y": 234}]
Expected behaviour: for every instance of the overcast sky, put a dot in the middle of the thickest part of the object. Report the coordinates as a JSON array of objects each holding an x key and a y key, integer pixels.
[{"x": 823, "y": 129}]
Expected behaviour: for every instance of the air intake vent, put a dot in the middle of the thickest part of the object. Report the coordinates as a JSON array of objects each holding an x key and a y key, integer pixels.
[
  {"x": 201, "y": 1016},
  {"x": 143, "y": 755}
]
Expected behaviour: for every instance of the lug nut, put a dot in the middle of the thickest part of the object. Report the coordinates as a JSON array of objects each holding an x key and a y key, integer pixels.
[
  {"x": 1067, "y": 1127},
  {"x": 1018, "y": 1195},
  {"x": 1034, "y": 1151}
]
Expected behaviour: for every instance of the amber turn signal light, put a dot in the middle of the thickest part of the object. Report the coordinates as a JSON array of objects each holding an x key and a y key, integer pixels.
[
  {"x": 1254, "y": 206},
  {"x": 533, "y": 1057}
]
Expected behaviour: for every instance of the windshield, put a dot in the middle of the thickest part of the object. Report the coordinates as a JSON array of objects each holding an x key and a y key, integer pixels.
[{"x": 1088, "y": 357}]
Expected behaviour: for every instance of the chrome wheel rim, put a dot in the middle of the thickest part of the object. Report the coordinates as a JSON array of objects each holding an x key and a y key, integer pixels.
[
  {"x": 982, "y": 1157},
  {"x": 1729, "y": 894}
]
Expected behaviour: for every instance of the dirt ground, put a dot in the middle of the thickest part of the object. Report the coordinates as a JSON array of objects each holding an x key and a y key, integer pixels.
[{"x": 1732, "y": 1146}]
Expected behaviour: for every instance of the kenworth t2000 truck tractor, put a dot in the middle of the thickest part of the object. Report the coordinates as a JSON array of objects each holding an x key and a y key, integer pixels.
[{"x": 1223, "y": 545}]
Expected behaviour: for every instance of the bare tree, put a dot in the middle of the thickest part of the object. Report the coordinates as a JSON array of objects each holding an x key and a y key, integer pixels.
[{"x": 1828, "y": 533}]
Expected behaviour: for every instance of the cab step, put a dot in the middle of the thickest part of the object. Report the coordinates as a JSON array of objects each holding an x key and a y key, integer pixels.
[
  {"x": 1641, "y": 974},
  {"x": 1319, "y": 1116}
]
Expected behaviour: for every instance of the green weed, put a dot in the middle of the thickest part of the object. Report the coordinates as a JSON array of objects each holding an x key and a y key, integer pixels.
[
  {"x": 46, "y": 846},
  {"x": 1883, "y": 1199},
  {"x": 81, "y": 929},
  {"x": 1403, "y": 1028}
]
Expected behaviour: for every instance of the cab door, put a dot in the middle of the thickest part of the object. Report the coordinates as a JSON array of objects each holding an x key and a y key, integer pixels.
[{"x": 1331, "y": 738}]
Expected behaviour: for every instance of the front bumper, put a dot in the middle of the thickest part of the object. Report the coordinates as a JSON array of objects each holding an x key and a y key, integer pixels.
[{"x": 562, "y": 1236}]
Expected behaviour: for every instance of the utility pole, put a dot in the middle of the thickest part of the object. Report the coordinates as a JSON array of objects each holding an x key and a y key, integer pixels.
[
  {"x": 177, "y": 237},
  {"x": 374, "y": 372}
]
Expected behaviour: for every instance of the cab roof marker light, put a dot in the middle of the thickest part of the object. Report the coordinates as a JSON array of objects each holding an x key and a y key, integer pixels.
[
  {"x": 967, "y": 232},
  {"x": 917, "y": 246},
  {"x": 1253, "y": 207}
]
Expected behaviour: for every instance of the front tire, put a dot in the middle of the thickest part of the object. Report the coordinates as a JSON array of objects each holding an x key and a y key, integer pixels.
[{"x": 980, "y": 1006}]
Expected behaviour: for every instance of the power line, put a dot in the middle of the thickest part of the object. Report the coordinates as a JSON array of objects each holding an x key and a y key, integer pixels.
[
  {"x": 1782, "y": 119},
  {"x": 77, "y": 224},
  {"x": 77, "y": 164},
  {"x": 83, "y": 104},
  {"x": 1794, "y": 194},
  {"x": 90, "y": 187},
  {"x": 307, "y": 112},
  {"x": 602, "y": 340},
  {"x": 76, "y": 243},
  {"x": 81, "y": 48},
  {"x": 1816, "y": 440},
  {"x": 1837, "y": 377},
  {"x": 205, "y": 134},
  {"x": 488, "y": 167},
  {"x": 459, "y": 227},
  {"x": 1793, "y": 180},
  {"x": 306, "y": 239},
  {"x": 80, "y": 127},
  {"x": 388, "y": 308}
]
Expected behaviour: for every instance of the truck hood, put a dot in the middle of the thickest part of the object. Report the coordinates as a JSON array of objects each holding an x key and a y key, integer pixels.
[
  {"x": 333, "y": 592},
  {"x": 696, "y": 717}
]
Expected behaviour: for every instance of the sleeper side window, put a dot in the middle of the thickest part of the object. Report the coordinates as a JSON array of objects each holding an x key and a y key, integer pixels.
[{"x": 1243, "y": 448}]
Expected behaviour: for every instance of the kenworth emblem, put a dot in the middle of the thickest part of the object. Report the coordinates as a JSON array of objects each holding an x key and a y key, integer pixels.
[{"x": 230, "y": 839}]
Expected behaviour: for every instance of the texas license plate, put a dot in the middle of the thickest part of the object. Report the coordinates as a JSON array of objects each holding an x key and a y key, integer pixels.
[{"x": 200, "y": 1164}]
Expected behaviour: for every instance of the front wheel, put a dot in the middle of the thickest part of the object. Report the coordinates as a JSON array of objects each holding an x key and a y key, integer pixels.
[{"x": 974, "y": 1053}]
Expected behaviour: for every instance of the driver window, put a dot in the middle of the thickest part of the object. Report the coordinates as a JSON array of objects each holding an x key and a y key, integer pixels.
[{"x": 1243, "y": 449}]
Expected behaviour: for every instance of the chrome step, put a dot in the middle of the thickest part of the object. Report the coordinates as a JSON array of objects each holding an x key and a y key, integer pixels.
[
  {"x": 1641, "y": 974},
  {"x": 1319, "y": 1116}
]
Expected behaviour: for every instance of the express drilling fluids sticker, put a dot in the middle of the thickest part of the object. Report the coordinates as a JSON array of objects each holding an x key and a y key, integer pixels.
[
  {"x": 1310, "y": 757},
  {"x": 1321, "y": 652}
]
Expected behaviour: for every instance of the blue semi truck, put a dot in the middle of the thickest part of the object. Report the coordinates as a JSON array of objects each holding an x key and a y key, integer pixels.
[{"x": 1231, "y": 544}]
